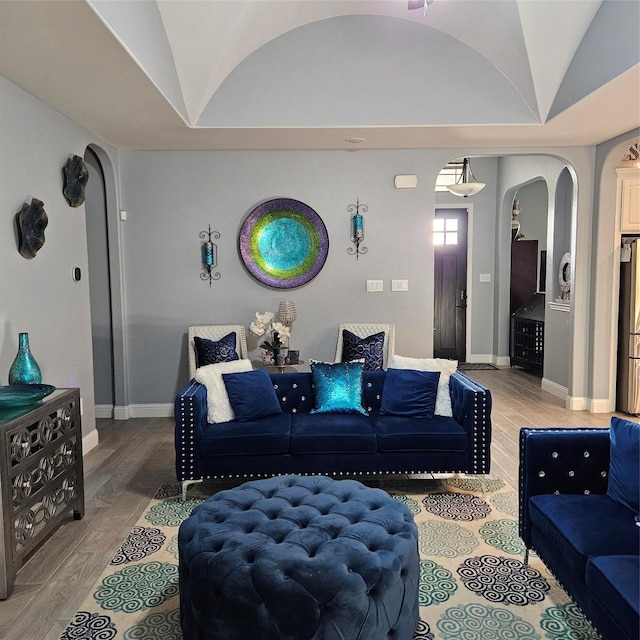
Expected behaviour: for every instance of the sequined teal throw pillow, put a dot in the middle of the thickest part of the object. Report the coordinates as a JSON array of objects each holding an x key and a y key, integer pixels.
[{"x": 338, "y": 387}]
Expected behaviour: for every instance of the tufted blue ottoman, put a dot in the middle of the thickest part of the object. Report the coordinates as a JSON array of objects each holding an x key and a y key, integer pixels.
[{"x": 299, "y": 558}]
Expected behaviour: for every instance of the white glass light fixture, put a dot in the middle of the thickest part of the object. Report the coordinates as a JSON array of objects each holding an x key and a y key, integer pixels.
[{"x": 467, "y": 185}]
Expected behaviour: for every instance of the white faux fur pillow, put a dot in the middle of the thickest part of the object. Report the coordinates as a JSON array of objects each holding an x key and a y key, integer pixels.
[
  {"x": 218, "y": 405},
  {"x": 446, "y": 369}
]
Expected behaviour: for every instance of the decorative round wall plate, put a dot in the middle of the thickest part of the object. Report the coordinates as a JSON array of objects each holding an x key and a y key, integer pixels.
[
  {"x": 283, "y": 243},
  {"x": 564, "y": 273}
]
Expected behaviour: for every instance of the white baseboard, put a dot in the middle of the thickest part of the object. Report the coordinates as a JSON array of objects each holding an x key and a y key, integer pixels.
[
  {"x": 121, "y": 413},
  {"x": 104, "y": 411},
  {"x": 90, "y": 441},
  {"x": 554, "y": 388},
  {"x": 502, "y": 361},
  {"x": 161, "y": 410},
  {"x": 109, "y": 411},
  {"x": 480, "y": 358},
  {"x": 602, "y": 405},
  {"x": 151, "y": 410},
  {"x": 577, "y": 404}
]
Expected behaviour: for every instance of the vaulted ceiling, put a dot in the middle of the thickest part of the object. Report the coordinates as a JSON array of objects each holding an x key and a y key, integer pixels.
[{"x": 313, "y": 74}]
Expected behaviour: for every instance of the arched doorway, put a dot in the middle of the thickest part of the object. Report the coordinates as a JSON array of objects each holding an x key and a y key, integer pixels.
[
  {"x": 105, "y": 279},
  {"x": 99, "y": 286}
]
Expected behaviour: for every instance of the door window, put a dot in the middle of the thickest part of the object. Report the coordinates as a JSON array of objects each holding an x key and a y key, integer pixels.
[{"x": 445, "y": 231}]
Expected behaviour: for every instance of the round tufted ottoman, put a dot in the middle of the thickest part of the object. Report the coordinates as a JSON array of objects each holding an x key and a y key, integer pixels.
[{"x": 301, "y": 558}]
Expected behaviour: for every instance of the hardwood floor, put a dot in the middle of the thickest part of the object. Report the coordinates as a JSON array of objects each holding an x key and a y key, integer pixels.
[{"x": 136, "y": 456}]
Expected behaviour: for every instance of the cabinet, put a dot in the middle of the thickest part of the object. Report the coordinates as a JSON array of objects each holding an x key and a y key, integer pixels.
[
  {"x": 628, "y": 199},
  {"x": 41, "y": 477},
  {"x": 527, "y": 335}
]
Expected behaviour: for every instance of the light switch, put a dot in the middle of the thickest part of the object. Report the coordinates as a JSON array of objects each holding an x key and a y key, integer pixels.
[
  {"x": 485, "y": 277},
  {"x": 375, "y": 286},
  {"x": 399, "y": 285}
]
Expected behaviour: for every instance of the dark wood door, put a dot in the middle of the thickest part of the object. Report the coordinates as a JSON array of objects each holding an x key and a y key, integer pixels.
[{"x": 450, "y": 286}]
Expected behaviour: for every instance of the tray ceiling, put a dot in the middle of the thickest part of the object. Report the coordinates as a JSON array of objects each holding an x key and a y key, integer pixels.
[{"x": 310, "y": 74}]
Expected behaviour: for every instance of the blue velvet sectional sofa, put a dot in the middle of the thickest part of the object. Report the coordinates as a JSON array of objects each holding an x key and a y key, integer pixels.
[
  {"x": 578, "y": 494},
  {"x": 298, "y": 441}
]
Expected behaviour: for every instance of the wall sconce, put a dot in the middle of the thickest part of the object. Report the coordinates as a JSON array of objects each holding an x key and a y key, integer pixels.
[
  {"x": 357, "y": 228},
  {"x": 209, "y": 255}
]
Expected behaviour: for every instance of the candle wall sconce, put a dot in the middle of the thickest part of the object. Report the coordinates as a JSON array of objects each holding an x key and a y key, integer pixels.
[
  {"x": 209, "y": 255},
  {"x": 357, "y": 228}
]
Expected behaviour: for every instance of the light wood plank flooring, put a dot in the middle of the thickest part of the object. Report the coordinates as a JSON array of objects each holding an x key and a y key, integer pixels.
[{"x": 136, "y": 456}]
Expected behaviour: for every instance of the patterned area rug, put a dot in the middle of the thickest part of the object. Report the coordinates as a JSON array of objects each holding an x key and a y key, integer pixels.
[{"x": 473, "y": 582}]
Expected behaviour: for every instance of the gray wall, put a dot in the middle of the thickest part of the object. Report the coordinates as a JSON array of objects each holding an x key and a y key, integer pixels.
[
  {"x": 38, "y": 295},
  {"x": 172, "y": 196}
]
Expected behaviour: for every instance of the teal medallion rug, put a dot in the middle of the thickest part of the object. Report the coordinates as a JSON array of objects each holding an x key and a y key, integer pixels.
[{"x": 474, "y": 584}]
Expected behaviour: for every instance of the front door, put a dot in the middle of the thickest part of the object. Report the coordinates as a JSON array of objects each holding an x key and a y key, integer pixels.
[{"x": 450, "y": 284}]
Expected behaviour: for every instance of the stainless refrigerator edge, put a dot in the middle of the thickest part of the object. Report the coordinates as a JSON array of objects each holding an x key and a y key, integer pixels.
[{"x": 628, "y": 392}]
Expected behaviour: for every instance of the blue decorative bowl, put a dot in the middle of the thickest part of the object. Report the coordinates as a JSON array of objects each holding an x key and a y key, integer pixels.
[{"x": 22, "y": 395}]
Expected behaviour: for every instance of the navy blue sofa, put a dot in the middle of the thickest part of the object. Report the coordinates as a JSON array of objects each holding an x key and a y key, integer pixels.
[
  {"x": 299, "y": 442},
  {"x": 588, "y": 540}
]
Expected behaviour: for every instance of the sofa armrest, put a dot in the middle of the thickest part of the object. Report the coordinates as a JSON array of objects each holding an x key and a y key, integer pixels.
[
  {"x": 471, "y": 404},
  {"x": 556, "y": 460},
  {"x": 190, "y": 412}
]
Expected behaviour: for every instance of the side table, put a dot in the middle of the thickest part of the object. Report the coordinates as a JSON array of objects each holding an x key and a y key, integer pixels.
[
  {"x": 41, "y": 476},
  {"x": 280, "y": 368}
]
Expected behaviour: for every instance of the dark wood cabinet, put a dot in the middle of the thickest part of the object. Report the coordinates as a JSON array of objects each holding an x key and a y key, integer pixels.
[{"x": 526, "y": 347}]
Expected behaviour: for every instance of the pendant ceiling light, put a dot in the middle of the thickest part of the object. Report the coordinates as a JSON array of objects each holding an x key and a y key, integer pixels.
[
  {"x": 467, "y": 185},
  {"x": 420, "y": 4}
]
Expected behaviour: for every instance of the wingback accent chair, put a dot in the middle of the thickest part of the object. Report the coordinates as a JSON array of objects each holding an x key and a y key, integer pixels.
[
  {"x": 363, "y": 330},
  {"x": 215, "y": 332}
]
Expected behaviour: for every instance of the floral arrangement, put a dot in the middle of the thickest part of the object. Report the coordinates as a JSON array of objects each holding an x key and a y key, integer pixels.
[{"x": 264, "y": 323}]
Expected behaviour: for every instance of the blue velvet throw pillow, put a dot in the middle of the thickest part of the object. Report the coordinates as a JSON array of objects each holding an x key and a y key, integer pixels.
[
  {"x": 411, "y": 393},
  {"x": 369, "y": 348},
  {"x": 338, "y": 387},
  {"x": 624, "y": 463},
  {"x": 214, "y": 351},
  {"x": 251, "y": 395}
]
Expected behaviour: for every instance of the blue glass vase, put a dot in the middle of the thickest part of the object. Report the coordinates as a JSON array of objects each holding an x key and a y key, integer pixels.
[{"x": 25, "y": 369}]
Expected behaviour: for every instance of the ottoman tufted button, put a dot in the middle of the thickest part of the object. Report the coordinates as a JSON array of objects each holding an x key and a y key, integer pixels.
[{"x": 309, "y": 571}]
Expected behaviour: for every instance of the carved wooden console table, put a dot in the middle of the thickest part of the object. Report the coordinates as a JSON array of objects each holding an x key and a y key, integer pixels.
[{"x": 41, "y": 477}]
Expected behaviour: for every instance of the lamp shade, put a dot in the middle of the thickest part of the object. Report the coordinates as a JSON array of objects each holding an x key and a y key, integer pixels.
[
  {"x": 466, "y": 189},
  {"x": 287, "y": 313},
  {"x": 467, "y": 184}
]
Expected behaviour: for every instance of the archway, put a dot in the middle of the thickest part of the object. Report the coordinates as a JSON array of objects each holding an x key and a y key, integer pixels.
[{"x": 105, "y": 277}]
